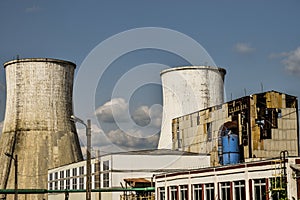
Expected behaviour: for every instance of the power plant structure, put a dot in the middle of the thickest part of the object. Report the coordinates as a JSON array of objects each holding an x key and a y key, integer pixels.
[
  {"x": 37, "y": 131},
  {"x": 185, "y": 90},
  {"x": 258, "y": 126}
]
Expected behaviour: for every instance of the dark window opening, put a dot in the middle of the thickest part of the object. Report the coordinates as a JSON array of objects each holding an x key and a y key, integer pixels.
[
  {"x": 209, "y": 132},
  {"x": 260, "y": 191}
]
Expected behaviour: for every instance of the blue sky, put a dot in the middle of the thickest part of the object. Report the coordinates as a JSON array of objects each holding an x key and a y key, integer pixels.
[{"x": 257, "y": 42}]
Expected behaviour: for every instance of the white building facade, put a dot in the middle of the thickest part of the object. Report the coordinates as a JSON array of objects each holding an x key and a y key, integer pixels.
[
  {"x": 259, "y": 180},
  {"x": 109, "y": 172}
]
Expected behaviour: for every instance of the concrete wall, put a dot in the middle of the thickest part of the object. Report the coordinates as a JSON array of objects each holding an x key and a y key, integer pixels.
[
  {"x": 199, "y": 132},
  {"x": 37, "y": 124},
  {"x": 284, "y": 136}
]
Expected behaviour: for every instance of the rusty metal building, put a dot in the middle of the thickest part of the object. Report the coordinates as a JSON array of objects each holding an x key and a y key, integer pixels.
[{"x": 265, "y": 124}]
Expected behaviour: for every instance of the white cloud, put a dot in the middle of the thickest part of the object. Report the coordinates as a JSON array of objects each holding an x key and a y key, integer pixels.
[
  {"x": 156, "y": 115},
  {"x": 141, "y": 116},
  {"x": 278, "y": 55},
  {"x": 243, "y": 48},
  {"x": 139, "y": 130},
  {"x": 117, "y": 140},
  {"x": 115, "y": 110},
  {"x": 132, "y": 139},
  {"x": 144, "y": 116},
  {"x": 291, "y": 61},
  {"x": 98, "y": 137},
  {"x": 33, "y": 9}
]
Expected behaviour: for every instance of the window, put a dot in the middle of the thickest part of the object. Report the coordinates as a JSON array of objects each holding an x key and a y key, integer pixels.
[
  {"x": 55, "y": 181},
  {"x": 81, "y": 178},
  {"x": 183, "y": 192},
  {"x": 106, "y": 165},
  {"x": 173, "y": 193},
  {"x": 68, "y": 184},
  {"x": 74, "y": 183},
  {"x": 179, "y": 139},
  {"x": 50, "y": 177},
  {"x": 260, "y": 189},
  {"x": 239, "y": 190},
  {"x": 105, "y": 179},
  {"x": 162, "y": 195},
  {"x": 55, "y": 185},
  {"x": 198, "y": 120},
  {"x": 62, "y": 174},
  {"x": 209, "y": 191},
  {"x": 51, "y": 186},
  {"x": 61, "y": 185},
  {"x": 97, "y": 176},
  {"x": 74, "y": 171},
  {"x": 106, "y": 173},
  {"x": 81, "y": 170},
  {"x": 50, "y": 181},
  {"x": 197, "y": 192},
  {"x": 225, "y": 190},
  {"x": 209, "y": 132},
  {"x": 81, "y": 183},
  {"x": 74, "y": 180},
  {"x": 61, "y": 182}
]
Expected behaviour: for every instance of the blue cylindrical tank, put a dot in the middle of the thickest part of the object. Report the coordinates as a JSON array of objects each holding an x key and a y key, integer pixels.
[{"x": 230, "y": 144}]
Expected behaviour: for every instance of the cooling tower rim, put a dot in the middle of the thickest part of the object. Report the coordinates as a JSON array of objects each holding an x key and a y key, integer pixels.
[
  {"x": 52, "y": 60},
  {"x": 218, "y": 69}
]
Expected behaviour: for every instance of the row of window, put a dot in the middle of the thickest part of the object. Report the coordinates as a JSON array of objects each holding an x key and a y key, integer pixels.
[
  {"x": 78, "y": 183},
  {"x": 67, "y": 184},
  {"x": 75, "y": 178},
  {"x": 226, "y": 191}
]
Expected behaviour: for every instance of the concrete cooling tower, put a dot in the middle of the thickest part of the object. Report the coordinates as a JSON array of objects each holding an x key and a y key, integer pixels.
[
  {"x": 186, "y": 90},
  {"x": 37, "y": 126}
]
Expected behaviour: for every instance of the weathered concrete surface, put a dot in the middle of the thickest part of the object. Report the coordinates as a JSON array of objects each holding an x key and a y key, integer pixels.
[
  {"x": 37, "y": 124},
  {"x": 186, "y": 90}
]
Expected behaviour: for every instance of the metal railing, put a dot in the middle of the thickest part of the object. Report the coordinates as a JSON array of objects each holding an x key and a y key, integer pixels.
[{"x": 137, "y": 197}]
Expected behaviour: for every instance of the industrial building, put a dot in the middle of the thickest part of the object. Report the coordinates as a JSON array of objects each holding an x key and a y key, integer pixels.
[
  {"x": 256, "y": 126},
  {"x": 37, "y": 132},
  {"x": 117, "y": 171},
  {"x": 271, "y": 179},
  {"x": 253, "y": 144},
  {"x": 246, "y": 148}
]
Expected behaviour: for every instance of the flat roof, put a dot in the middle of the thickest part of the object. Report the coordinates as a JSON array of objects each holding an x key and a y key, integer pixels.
[{"x": 157, "y": 152}]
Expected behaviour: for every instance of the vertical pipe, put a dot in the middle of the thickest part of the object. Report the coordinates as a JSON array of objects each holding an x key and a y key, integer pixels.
[
  {"x": 16, "y": 177},
  {"x": 88, "y": 160}
]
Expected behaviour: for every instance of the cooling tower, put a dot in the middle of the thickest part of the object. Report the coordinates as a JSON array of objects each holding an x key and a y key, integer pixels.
[
  {"x": 186, "y": 90},
  {"x": 37, "y": 126}
]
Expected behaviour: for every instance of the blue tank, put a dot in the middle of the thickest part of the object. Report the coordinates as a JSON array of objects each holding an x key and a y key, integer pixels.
[{"x": 230, "y": 150}]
